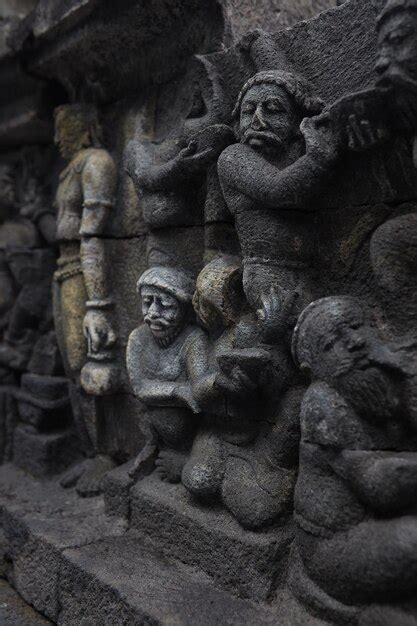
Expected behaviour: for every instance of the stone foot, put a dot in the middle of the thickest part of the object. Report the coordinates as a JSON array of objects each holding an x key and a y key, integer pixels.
[
  {"x": 169, "y": 465},
  {"x": 87, "y": 475}
]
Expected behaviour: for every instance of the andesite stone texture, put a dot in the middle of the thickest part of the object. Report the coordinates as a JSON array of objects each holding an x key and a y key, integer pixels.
[{"x": 208, "y": 258}]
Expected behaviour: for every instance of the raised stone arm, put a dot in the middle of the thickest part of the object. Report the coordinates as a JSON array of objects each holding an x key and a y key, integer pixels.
[
  {"x": 249, "y": 172},
  {"x": 186, "y": 167}
]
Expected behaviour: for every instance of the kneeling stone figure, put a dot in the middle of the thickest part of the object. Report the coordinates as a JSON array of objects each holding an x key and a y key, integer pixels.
[{"x": 160, "y": 355}]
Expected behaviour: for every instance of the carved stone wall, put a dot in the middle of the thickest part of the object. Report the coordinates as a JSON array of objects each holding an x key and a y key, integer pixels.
[{"x": 207, "y": 310}]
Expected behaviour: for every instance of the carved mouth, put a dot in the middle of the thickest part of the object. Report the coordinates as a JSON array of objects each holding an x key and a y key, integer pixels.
[
  {"x": 157, "y": 326},
  {"x": 258, "y": 136}
]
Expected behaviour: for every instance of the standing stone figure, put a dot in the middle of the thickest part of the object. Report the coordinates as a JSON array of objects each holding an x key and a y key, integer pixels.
[
  {"x": 82, "y": 298},
  {"x": 269, "y": 181},
  {"x": 355, "y": 495},
  {"x": 160, "y": 356}
]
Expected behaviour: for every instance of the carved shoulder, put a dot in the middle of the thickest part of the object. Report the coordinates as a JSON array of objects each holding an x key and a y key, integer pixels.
[
  {"x": 227, "y": 161},
  {"x": 327, "y": 419},
  {"x": 99, "y": 166}
]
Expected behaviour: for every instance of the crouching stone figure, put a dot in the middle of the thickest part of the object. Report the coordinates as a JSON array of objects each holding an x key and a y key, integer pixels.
[{"x": 160, "y": 355}]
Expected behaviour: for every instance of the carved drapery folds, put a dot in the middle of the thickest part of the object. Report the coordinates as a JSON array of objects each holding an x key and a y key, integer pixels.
[{"x": 229, "y": 271}]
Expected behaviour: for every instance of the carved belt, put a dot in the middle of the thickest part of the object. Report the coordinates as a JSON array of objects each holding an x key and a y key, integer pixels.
[{"x": 68, "y": 267}]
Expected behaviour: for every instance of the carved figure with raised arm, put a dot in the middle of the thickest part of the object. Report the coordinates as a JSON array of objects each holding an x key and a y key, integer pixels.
[
  {"x": 237, "y": 457},
  {"x": 271, "y": 178}
]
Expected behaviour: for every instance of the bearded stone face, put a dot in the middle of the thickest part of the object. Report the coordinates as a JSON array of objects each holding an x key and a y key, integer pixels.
[
  {"x": 162, "y": 312},
  {"x": 268, "y": 119},
  {"x": 344, "y": 363},
  {"x": 397, "y": 51}
]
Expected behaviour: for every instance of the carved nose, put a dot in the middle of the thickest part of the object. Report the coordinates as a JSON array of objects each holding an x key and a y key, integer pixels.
[
  {"x": 382, "y": 64},
  {"x": 257, "y": 121},
  {"x": 152, "y": 312}
]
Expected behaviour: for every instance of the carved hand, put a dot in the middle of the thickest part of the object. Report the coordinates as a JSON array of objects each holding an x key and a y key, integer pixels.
[
  {"x": 278, "y": 313},
  {"x": 98, "y": 331},
  {"x": 193, "y": 161},
  {"x": 184, "y": 395},
  {"x": 362, "y": 135},
  {"x": 236, "y": 383},
  {"x": 322, "y": 144}
]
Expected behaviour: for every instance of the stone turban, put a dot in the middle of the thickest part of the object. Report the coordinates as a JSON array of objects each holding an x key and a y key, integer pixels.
[
  {"x": 174, "y": 281},
  {"x": 295, "y": 86}
]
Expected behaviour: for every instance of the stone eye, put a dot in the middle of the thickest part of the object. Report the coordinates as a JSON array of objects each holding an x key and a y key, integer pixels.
[
  {"x": 397, "y": 38},
  {"x": 248, "y": 108},
  {"x": 273, "y": 106}
]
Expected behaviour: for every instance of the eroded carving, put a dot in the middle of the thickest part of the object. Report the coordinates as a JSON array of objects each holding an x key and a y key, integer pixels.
[
  {"x": 270, "y": 178},
  {"x": 353, "y": 500},
  {"x": 82, "y": 297},
  {"x": 160, "y": 355}
]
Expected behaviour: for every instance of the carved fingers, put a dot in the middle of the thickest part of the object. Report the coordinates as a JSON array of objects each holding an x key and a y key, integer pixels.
[
  {"x": 322, "y": 144},
  {"x": 362, "y": 135},
  {"x": 98, "y": 331},
  {"x": 278, "y": 312},
  {"x": 184, "y": 395}
]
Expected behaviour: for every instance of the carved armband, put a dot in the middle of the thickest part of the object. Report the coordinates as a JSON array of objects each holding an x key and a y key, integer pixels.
[{"x": 102, "y": 304}]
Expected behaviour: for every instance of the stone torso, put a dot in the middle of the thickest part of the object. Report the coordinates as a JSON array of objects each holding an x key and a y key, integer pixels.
[{"x": 161, "y": 363}]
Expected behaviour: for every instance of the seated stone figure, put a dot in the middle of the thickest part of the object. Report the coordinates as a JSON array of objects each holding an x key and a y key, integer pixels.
[
  {"x": 355, "y": 495},
  {"x": 245, "y": 461},
  {"x": 160, "y": 354}
]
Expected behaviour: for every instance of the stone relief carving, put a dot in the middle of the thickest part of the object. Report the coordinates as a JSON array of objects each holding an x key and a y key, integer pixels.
[
  {"x": 160, "y": 354},
  {"x": 274, "y": 391},
  {"x": 34, "y": 394},
  {"x": 82, "y": 299},
  {"x": 271, "y": 176},
  {"x": 358, "y": 439}
]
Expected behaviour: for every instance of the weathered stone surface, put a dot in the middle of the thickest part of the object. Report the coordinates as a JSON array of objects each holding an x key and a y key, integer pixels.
[
  {"x": 15, "y": 612},
  {"x": 126, "y": 582},
  {"x": 39, "y": 524},
  {"x": 271, "y": 15},
  {"x": 44, "y": 454},
  {"x": 260, "y": 445},
  {"x": 246, "y": 563}
]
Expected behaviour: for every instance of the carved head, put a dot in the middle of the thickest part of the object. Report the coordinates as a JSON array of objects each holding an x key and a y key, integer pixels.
[
  {"x": 334, "y": 341},
  {"x": 218, "y": 297},
  {"x": 76, "y": 127},
  {"x": 270, "y": 108},
  {"x": 330, "y": 336},
  {"x": 397, "y": 45},
  {"x": 166, "y": 295}
]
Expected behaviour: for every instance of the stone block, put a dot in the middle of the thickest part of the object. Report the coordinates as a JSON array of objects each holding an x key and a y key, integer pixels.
[
  {"x": 116, "y": 491},
  {"x": 246, "y": 563},
  {"x": 44, "y": 454},
  {"x": 40, "y": 520},
  {"x": 123, "y": 582}
]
